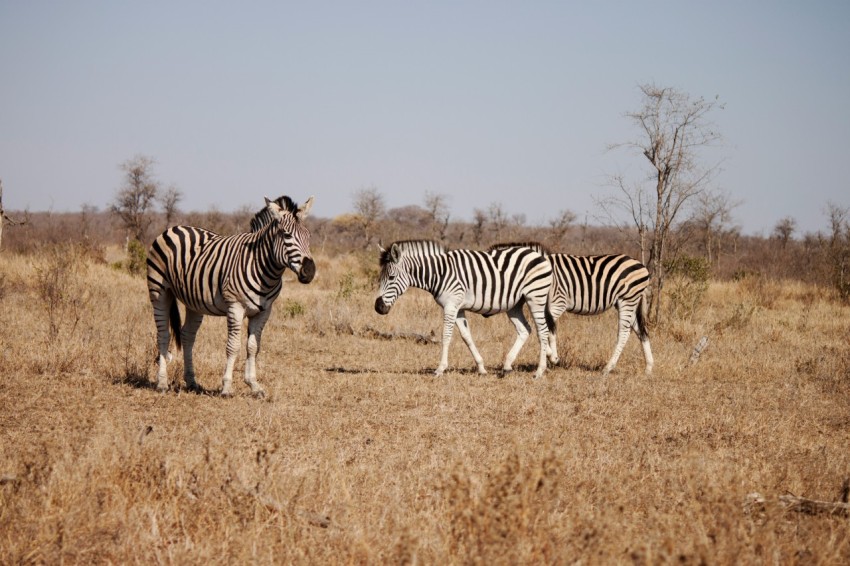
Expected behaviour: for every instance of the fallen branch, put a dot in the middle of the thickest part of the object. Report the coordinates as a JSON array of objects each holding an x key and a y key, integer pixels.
[
  {"x": 701, "y": 345},
  {"x": 756, "y": 502},
  {"x": 813, "y": 506},
  {"x": 416, "y": 337},
  {"x": 315, "y": 519}
]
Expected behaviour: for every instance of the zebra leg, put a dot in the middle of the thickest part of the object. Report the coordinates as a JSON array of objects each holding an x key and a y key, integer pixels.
[
  {"x": 552, "y": 323},
  {"x": 463, "y": 327},
  {"x": 235, "y": 314},
  {"x": 624, "y": 324},
  {"x": 522, "y": 331},
  {"x": 255, "y": 332},
  {"x": 647, "y": 355},
  {"x": 188, "y": 334},
  {"x": 538, "y": 313},
  {"x": 450, "y": 315},
  {"x": 639, "y": 328},
  {"x": 162, "y": 300}
]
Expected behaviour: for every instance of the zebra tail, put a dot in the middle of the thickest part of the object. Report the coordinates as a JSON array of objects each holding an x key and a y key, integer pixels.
[
  {"x": 174, "y": 316},
  {"x": 643, "y": 334},
  {"x": 551, "y": 323}
]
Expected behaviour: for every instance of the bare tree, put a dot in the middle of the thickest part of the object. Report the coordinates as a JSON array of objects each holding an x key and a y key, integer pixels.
[
  {"x": 674, "y": 129},
  {"x": 169, "y": 200},
  {"x": 87, "y": 214},
  {"x": 4, "y": 218},
  {"x": 479, "y": 221},
  {"x": 438, "y": 209},
  {"x": 370, "y": 208},
  {"x": 784, "y": 229},
  {"x": 135, "y": 199},
  {"x": 837, "y": 248},
  {"x": 498, "y": 219},
  {"x": 711, "y": 216},
  {"x": 561, "y": 224}
]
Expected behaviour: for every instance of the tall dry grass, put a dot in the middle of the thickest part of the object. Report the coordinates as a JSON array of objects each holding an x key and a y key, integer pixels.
[{"x": 360, "y": 455}]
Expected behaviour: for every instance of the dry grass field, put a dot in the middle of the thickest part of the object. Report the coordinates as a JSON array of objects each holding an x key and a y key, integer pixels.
[{"x": 359, "y": 455}]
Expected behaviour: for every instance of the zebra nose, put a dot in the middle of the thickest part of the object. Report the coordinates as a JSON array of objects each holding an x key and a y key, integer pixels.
[
  {"x": 308, "y": 271},
  {"x": 380, "y": 306}
]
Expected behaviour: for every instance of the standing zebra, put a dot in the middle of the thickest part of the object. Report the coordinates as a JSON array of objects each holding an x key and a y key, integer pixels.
[
  {"x": 590, "y": 285},
  {"x": 484, "y": 282},
  {"x": 235, "y": 276}
]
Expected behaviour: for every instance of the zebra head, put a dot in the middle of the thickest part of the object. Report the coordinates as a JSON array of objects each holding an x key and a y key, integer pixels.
[
  {"x": 395, "y": 278},
  {"x": 292, "y": 238}
]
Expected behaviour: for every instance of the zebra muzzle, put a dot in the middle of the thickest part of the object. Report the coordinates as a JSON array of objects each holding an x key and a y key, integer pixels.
[
  {"x": 381, "y": 307},
  {"x": 307, "y": 271}
]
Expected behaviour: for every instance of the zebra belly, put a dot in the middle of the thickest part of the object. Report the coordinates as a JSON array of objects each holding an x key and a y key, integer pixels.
[
  {"x": 489, "y": 305},
  {"x": 206, "y": 305}
]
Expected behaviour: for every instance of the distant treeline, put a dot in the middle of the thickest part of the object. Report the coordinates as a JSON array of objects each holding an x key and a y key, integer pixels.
[{"x": 821, "y": 258}]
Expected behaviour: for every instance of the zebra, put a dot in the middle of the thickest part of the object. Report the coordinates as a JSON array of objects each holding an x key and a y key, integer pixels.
[
  {"x": 234, "y": 276},
  {"x": 590, "y": 285},
  {"x": 486, "y": 282}
]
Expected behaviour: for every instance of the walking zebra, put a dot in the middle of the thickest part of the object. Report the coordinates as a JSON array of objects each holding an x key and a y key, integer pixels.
[
  {"x": 235, "y": 276},
  {"x": 484, "y": 282},
  {"x": 590, "y": 285}
]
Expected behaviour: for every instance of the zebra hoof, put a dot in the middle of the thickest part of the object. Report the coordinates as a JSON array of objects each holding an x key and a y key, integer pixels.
[
  {"x": 162, "y": 388},
  {"x": 227, "y": 394}
]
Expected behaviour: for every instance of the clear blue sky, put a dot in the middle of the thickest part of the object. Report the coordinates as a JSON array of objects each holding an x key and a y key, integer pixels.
[{"x": 511, "y": 102}]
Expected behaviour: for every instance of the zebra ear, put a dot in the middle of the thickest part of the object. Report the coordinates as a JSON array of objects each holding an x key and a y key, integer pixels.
[
  {"x": 304, "y": 209},
  {"x": 381, "y": 246},
  {"x": 273, "y": 206},
  {"x": 394, "y": 253}
]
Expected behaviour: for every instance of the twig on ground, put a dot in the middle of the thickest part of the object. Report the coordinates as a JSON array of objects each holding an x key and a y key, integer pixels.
[{"x": 416, "y": 337}]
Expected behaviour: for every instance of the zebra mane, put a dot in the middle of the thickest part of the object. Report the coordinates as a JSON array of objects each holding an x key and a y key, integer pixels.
[
  {"x": 536, "y": 246},
  {"x": 411, "y": 247},
  {"x": 264, "y": 217}
]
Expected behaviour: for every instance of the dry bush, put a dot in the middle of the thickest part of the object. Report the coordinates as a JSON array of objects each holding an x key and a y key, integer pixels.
[
  {"x": 60, "y": 288},
  {"x": 360, "y": 455}
]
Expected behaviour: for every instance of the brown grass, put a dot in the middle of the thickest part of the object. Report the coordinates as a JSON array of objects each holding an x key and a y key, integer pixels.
[{"x": 359, "y": 455}]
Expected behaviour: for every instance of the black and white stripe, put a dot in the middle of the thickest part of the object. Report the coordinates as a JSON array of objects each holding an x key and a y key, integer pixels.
[
  {"x": 235, "y": 276},
  {"x": 590, "y": 285},
  {"x": 486, "y": 282}
]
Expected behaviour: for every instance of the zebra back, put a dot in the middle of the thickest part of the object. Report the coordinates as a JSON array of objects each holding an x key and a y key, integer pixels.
[{"x": 536, "y": 246}]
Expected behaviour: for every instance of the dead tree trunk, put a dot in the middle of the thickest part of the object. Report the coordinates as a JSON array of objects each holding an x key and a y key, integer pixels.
[{"x": 4, "y": 218}]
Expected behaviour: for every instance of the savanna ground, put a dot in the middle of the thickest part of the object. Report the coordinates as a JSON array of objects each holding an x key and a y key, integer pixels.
[{"x": 359, "y": 455}]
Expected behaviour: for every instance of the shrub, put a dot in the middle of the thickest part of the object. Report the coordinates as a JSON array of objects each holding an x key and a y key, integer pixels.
[
  {"x": 59, "y": 283},
  {"x": 346, "y": 286},
  {"x": 137, "y": 257},
  {"x": 687, "y": 283},
  {"x": 292, "y": 308}
]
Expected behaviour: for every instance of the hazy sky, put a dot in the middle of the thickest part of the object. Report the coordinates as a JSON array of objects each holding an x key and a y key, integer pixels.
[{"x": 510, "y": 102}]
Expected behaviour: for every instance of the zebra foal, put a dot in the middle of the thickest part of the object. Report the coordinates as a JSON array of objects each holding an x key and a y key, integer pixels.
[
  {"x": 590, "y": 285},
  {"x": 235, "y": 276},
  {"x": 486, "y": 282}
]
